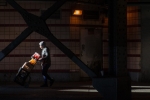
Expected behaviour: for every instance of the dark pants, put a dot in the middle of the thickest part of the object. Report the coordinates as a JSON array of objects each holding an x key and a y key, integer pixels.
[{"x": 44, "y": 72}]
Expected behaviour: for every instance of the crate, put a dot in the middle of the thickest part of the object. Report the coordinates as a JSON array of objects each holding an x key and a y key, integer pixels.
[{"x": 27, "y": 66}]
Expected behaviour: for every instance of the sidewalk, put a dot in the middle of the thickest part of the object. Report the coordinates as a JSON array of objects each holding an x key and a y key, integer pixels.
[
  {"x": 65, "y": 91},
  {"x": 59, "y": 91}
]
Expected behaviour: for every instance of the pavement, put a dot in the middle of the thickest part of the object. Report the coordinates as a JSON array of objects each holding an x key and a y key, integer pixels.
[
  {"x": 59, "y": 91},
  {"x": 140, "y": 91},
  {"x": 65, "y": 91}
]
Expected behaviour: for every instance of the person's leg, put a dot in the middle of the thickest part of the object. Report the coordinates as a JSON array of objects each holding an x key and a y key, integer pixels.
[
  {"x": 44, "y": 71},
  {"x": 45, "y": 75}
]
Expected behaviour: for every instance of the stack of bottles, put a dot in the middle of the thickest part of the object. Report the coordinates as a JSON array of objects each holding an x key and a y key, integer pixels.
[
  {"x": 28, "y": 66},
  {"x": 25, "y": 70},
  {"x": 34, "y": 59}
]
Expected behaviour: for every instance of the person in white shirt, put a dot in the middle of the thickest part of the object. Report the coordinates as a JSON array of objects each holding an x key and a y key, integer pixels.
[{"x": 45, "y": 64}]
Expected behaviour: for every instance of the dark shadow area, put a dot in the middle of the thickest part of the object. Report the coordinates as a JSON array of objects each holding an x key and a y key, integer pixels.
[{"x": 59, "y": 91}]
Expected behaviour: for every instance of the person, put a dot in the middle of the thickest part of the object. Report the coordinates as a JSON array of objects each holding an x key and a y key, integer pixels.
[{"x": 45, "y": 64}]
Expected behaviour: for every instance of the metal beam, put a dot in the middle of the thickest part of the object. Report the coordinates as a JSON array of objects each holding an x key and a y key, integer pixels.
[
  {"x": 15, "y": 43},
  {"x": 27, "y": 31}
]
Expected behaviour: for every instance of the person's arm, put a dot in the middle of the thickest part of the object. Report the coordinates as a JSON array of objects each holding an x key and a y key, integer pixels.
[{"x": 32, "y": 57}]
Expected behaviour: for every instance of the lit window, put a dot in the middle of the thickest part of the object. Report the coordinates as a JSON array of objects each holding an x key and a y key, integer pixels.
[{"x": 77, "y": 12}]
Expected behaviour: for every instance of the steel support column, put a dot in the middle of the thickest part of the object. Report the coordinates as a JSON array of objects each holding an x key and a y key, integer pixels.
[
  {"x": 117, "y": 38},
  {"x": 117, "y": 85}
]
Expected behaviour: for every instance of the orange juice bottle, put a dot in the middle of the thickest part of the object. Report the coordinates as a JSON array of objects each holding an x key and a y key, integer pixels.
[{"x": 33, "y": 61}]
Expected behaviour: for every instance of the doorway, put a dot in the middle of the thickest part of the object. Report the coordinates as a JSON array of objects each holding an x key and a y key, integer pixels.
[{"x": 91, "y": 49}]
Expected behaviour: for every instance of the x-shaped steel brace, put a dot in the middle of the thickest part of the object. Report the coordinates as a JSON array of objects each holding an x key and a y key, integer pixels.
[{"x": 38, "y": 25}]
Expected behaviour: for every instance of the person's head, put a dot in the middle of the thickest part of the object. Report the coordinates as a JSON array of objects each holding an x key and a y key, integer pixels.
[{"x": 42, "y": 44}]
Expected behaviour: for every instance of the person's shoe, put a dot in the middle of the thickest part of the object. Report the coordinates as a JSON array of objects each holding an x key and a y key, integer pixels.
[
  {"x": 44, "y": 85},
  {"x": 51, "y": 82}
]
